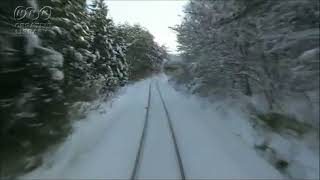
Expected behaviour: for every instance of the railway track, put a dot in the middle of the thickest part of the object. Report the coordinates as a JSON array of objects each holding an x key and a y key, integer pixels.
[
  {"x": 144, "y": 134},
  {"x": 143, "y": 137}
]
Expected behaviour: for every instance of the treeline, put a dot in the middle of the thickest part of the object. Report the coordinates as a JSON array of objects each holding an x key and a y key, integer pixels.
[
  {"x": 79, "y": 56},
  {"x": 256, "y": 47},
  {"x": 142, "y": 64}
]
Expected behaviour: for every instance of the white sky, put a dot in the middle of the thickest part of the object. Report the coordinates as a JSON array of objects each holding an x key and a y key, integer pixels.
[{"x": 155, "y": 15}]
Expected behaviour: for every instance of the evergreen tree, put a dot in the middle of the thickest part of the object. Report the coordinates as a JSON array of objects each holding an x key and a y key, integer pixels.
[
  {"x": 46, "y": 73},
  {"x": 111, "y": 63},
  {"x": 143, "y": 53}
]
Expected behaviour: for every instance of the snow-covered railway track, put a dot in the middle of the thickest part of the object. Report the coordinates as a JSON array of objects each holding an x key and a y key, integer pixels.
[
  {"x": 134, "y": 142},
  {"x": 176, "y": 147},
  {"x": 137, "y": 163},
  {"x": 142, "y": 140}
]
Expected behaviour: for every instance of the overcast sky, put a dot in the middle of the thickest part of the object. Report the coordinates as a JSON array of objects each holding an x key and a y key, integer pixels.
[{"x": 155, "y": 15}]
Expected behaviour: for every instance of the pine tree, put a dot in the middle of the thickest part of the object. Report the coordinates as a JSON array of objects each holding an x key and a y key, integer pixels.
[
  {"x": 144, "y": 55},
  {"x": 111, "y": 63}
]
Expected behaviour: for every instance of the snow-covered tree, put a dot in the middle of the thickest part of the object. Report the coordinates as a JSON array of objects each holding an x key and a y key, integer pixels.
[
  {"x": 111, "y": 62},
  {"x": 251, "y": 46},
  {"x": 43, "y": 74},
  {"x": 143, "y": 53}
]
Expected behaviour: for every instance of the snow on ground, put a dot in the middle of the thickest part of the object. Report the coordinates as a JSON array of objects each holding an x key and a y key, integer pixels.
[
  {"x": 104, "y": 145},
  {"x": 301, "y": 153},
  {"x": 209, "y": 149},
  {"x": 158, "y": 158}
]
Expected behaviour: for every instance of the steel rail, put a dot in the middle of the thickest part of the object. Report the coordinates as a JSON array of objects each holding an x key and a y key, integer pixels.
[
  {"x": 142, "y": 140},
  {"x": 182, "y": 172}
]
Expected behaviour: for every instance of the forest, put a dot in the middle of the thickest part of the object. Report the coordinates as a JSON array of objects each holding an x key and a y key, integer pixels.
[
  {"x": 46, "y": 73},
  {"x": 263, "y": 58},
  {"x": 262, "y": 49}
]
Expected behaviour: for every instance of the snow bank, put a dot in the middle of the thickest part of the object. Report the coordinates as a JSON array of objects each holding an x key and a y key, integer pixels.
[{"x": 301, "y": 153}]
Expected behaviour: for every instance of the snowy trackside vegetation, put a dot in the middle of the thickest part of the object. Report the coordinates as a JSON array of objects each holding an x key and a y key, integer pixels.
[
  {"x": 141, "y": 64},
  {"x": 265, "y": 56},
  {"x": 44, "y": 75}
]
